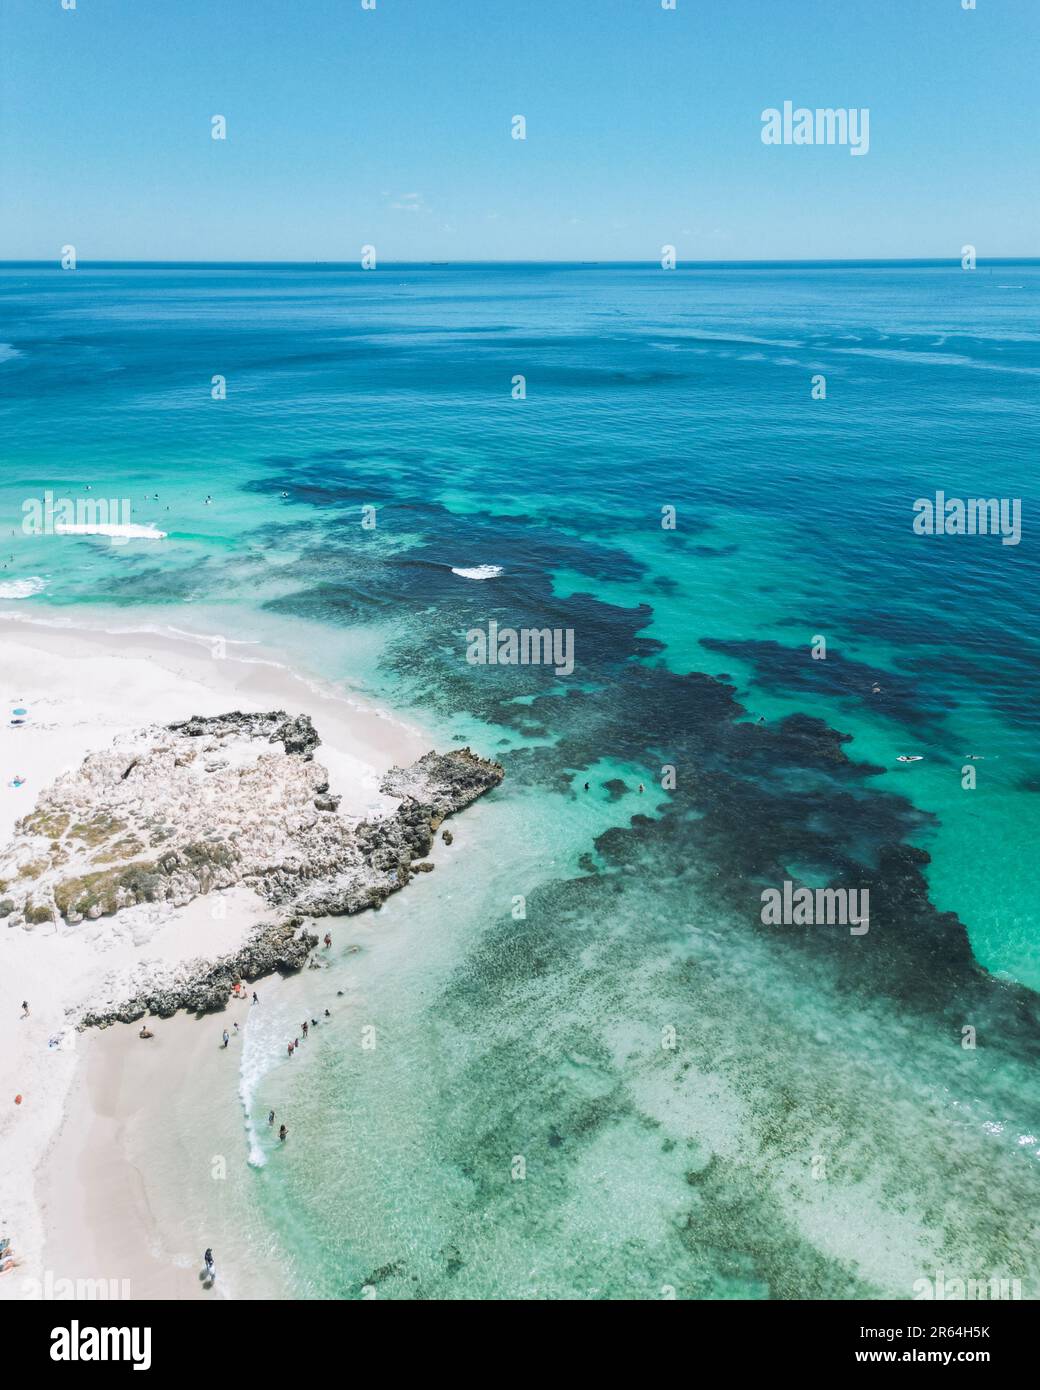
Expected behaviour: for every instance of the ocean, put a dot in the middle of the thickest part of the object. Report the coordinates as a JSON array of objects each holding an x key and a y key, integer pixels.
[{"x": 591, "y": 1070}]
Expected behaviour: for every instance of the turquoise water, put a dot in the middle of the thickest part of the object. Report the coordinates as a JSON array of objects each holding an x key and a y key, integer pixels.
[{"x": 817, "y": 1130}]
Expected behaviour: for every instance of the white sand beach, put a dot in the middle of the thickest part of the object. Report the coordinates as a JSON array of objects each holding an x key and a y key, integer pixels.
[{"x": 80, "y": 689}]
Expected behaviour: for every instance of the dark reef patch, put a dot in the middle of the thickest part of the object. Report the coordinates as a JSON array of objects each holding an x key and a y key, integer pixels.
[{"x": 792, "y": 671}]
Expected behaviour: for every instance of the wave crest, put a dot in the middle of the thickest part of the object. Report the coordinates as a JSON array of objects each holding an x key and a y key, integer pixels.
[
  {"x": 478, "y": 571},
  {"x": 22, "y": 588}
]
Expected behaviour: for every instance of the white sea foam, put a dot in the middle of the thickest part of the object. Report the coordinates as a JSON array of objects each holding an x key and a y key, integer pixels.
[
  {"x": 246, "y": 1090},
  {"x": 123, "y": 531},
  {"x": 7, "y": 351},
  {"x": 258, "y": 1058},
  {"x": 478, "y": 571},
  {"x": 936, "y": 359},
  {"x": 704, "y": 336},
  {"x": 22, "y": 588}
]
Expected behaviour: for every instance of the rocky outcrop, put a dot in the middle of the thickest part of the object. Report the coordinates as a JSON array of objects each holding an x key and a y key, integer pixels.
[
  {"x": 388, "y": 850},
  {"x": 296, "y": 735},
  {"x": 169, "y": 813},
  {"x": 205, "y": 986},
  {"x": 444, "y": 781}
]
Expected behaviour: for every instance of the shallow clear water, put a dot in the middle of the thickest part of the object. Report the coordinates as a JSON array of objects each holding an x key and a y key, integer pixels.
[{"x": 817, "y": 1130}]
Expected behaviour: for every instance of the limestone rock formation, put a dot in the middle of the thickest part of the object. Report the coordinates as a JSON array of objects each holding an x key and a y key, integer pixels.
[{"x": 169, "y": 813}]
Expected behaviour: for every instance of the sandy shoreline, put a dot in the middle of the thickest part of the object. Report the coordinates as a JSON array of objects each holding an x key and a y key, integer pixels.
[
  {"x": 71, "y": 1201},
  {"x": 100, "y": 1227}
]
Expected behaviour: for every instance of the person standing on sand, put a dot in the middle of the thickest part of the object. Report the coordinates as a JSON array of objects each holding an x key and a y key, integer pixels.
[
  {"x": 227, "y": 1039},
  {"x": 211, "y": 1268},
  {"x": 290, "y": 1049},
  {"x": 25, "y": 1008},
  {"x": 304, "y": 1027},
  {"x": 255, "y": 997}
]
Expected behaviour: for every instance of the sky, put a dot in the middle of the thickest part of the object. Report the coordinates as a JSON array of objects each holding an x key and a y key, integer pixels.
[{"x": 392, "y": 127}]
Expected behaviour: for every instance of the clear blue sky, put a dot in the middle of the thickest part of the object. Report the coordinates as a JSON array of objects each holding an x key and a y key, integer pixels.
[{"x": 348, "y": 126}]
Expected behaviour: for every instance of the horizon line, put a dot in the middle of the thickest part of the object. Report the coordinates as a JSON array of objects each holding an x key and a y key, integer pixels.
[{"x": 785, "y": 262}]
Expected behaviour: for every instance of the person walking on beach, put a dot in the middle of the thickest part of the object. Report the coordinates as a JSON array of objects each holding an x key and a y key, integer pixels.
[
  {"x": 290, "y": 1049},
  {"x": 227, "y": 1038},
  {"x": 256, "y": 999},
  {"x": 25, "y": 1008},
  {"x": 236, "y": 1025},
  {"x": 304, "y": 1027},
  {"x": 211, "y": 1268},
  {"x": 282, "y": 1134}
]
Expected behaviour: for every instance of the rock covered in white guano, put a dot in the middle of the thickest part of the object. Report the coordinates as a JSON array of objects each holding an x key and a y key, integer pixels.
[{"x": 172, "y": 812}]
